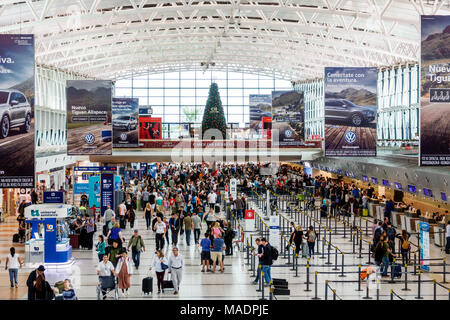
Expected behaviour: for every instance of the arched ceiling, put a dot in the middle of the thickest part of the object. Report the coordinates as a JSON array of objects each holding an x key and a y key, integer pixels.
[{"x": 293, "y": 39}]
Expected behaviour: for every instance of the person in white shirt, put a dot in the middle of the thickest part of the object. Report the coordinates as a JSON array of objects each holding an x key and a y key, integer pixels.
[
  {"x": 212, "y": 197},
  {"x": 105, "y": 269},
  {"x": 176, "y": 264},
  {"x": 160, "y": 228},
  {"x": 13, "y": 262},
  {"x": 158, "y": 261}
]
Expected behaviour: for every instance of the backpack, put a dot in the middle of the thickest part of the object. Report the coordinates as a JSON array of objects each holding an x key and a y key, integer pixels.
[
  {"x": 405, "y": 244},
  {"x": 274, "y": 253}
]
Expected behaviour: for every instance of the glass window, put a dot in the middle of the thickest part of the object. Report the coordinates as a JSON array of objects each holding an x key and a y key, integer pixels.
[
  {"x": 203, "y": 75},
  {"x": 172, "y": 83},
  {"x": 236, "y": 101},
  {"x": 143, "y": 100},
  {"x": 219, "y": 75},
  {"x": 172, "y": 75},
  {"x": 156, "y": 76},
  {"x": 203, "y": 83},
  {"x": 171, "y": 109},
  {"x": 252, "y": 83},
  {"x": 187, "y": 83},
  {"x": 138, "y": 83},
  {"x": 266, "y": 83},
  {"x": 187, "y": 75},
  {"x": 155, "y": 92},
  {"x": 234, "y": 75},
  {"x": 156, "y": 83},
  {"x": 202, "y": 92},
  {"x": 158, "y": 110},
  {"x": 250, "y": 76},
  {"x": 171, "y": 118},
  {"x": 221, "y": 83},
  {"x": 172, "y": 92},
  {"x": 172, "y": 101},
  {"x": 201, "y": 101},
  {"x": 156, "y": 101},
  {"x": 140, "y": 92},
  {"x": 187, "y": 92},
  {"x": 187, "y": 100},
  {"x": 123, "y": 92},
  {"x": 235, "y": 92},
  {"x": 123, "y": 83}
]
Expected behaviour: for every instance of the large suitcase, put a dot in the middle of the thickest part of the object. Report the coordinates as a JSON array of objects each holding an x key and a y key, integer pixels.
[
  {"x": 16, "y": 237},
  {"x": 397, "y": 270},
  {"x": 147, "y": 285},
  {"x": 217, "y": 209},
  {"x": 74, "y": 241},
  {"x": 365, "y": 212},
  {"x": 168, "y": 284},
  {"x": 123, "y": 223}
]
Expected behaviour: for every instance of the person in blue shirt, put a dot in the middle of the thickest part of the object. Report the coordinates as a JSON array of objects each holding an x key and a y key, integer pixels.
[
  {"x": 355, "y": 192},
  {"x": 205, "y": 244},
  {"x": 68, "y": 293},
  {"x": 216, "y": 252}
]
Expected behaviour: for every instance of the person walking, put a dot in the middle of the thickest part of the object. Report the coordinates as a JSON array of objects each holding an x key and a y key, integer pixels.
[
  {"x": 197, "y": 227},
  {"x": 298, "y": 239},
  {"x": 100, "y": 247},
  {"x": 216, "y": 252},
  {"x": 160, "y": 264},
  {"x": 31, "y": 281},
  {"x": 114, "y": 253},
  {"x": 160, "y": 228},
  {"x": 90, "y": 229},
  {"x": 228, "y": 238},
  {"x": 405, "y": 246},
  {"x": 176, "y": 264},
  {"x": 131, "y": 216},
  {"x": 266, "y": 260},
  {"x": 258, "y": 253},
  {"x": 13, "y": 263},
  {"x": 174, "y": 224},
  {"x": 188, "y": 226},
  {"x": 205, "y": 255},
  {"x": 124, "y": 273},
  {"x": 105, "y": 269},
  {"x": 137, "y": 245},
  {"x": 108, "y": 215},
  {"x": 311, "y": 240},
  {"x": 148, "y": 214},
  {"x": 115, "y": 234}
]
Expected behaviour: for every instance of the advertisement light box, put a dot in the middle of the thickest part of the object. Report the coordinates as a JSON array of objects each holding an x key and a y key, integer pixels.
[
  {"x": 385, "y": 183},
  {"x": 428, "y": 192},
  {"x": 374, "y": 180}
]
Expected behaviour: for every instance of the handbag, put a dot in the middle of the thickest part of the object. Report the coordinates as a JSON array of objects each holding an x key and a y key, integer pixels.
[{"x": 164, "y": 266}]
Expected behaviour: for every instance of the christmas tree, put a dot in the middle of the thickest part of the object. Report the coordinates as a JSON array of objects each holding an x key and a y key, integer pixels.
[{"x": 214, "y": 116}]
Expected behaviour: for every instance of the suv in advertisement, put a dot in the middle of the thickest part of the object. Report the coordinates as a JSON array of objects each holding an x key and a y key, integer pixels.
[
  {"x": 347, "y": 111},
  {"x": 15, "y": 111},
  {"x": 125, "y": 122}
]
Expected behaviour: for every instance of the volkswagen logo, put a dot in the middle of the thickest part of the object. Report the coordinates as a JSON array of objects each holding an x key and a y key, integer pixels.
[
  {"x": 123, "y": 136},
  {"x": 350, "y": 137},
  {"x": 288, "y": 133},
  {"x": 89, "y": 138}
]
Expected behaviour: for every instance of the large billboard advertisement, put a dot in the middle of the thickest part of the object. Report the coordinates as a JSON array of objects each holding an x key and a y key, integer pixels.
[
  {"x": 150, "y": 128},
  {"x": 435, "y": 91},
  {"x": 288, "y": 114},
  {"x": 260, "y": 106},
  {"x": 125, "y": 120},
  {"x": 17, "y": 111},
  {"x": 89, "y": 127},
  {"x": 350, "y": 112}
]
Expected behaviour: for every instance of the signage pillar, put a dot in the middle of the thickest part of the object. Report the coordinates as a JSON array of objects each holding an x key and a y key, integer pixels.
[
  {"x": 106, "y": 191},
  {"x": 274, "y": 232},
  {"x": 424, "y": 245},
  {"x": 249, "y": 220},
  {"x": 50, "y": 239}
]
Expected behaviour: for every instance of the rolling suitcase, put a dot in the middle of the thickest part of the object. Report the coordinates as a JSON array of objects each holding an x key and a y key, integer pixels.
[
  {"x": 397, "y": 270},
  {"x": 365, "y": 212},
  {"x": 167, "y": 284},
  {"x": 74, "y": 241},
  {"x": 16, "y": 237},
  {"x": 147, "y": 285},
  {"x": 217, "y": 209}
]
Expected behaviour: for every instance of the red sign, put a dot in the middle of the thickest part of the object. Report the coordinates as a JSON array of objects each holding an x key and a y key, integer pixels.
[
  {"x": 267, "y": 127},
  {"x": 250, "y": 214},
  {"x": 150, "y": 128},
  {"x": 226, "y": 188}
]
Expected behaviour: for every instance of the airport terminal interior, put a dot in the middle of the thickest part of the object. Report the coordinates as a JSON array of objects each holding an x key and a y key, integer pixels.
[{"x": 224, "y": 150}]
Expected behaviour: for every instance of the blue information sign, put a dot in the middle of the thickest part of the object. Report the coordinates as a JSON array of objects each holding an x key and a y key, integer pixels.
[
  {"x": 94, "y": 169},
  {"x": 53, "y": 197},
  {"x": 106, "y": 191}
]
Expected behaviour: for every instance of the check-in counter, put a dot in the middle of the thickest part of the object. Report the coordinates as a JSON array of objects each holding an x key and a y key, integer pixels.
[
  {"x": 439, "y": 234},
  {"x": 411, "y": 221},
  {"x": 396, "y": 216},
  {"x": 373, "y": 203}
]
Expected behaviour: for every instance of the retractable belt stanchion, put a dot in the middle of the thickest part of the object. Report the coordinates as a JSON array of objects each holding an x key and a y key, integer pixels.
[
  {"x": 326, "y": 289},
  {"x": 419, "y": 285},
  {"x": 415, "y": 262},
  {"x": 360, "y": 245},
  {"x": 307, "y": 276},
  {"x": 335, "y": 259},
  {"x": 296, "y": 264},
  {"x": 260, "y": 280},
  {"x": 367, "y": 297},
  {"x": 315, "y": 287},
  {"x": 323, "y": 248},
  {"x": 342, "y": 267},
  {"x": 370, "y": 251},
  {"x": 293, "y": 258},
  {"x": 378, "y": 289},
  {"x": 359, "y": 278},
  {"x": 444, "y": 270},
  {"x": 262, "y": 287},
  {"x": 406, "y": 278},
  {"x": 329, "y": 247}
]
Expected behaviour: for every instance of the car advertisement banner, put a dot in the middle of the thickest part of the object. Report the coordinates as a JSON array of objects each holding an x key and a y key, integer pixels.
[
  {"x": 260, "y": 106},
  {"x": 435, "y": 91},
  {"x": 150, "y": 128},
  {"x": 350, "y": 112},
  {"x": 288, "y": 113},
  {"x": 89, "y": 127},
  {"x": 17, "y": 148},
  {"x": 125, "y": 119}
]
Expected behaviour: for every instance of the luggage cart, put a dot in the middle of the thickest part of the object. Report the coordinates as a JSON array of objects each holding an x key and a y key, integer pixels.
[{"x": 110, "y": 285}]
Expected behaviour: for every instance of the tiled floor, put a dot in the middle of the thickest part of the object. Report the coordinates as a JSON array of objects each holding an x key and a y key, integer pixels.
[{"x": 234, "y": 283}]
